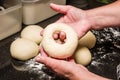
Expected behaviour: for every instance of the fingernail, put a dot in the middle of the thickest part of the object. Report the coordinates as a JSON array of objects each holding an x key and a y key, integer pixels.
[
  {"x": 62, "y": 36},
  {"x": 37, "y": 58}
]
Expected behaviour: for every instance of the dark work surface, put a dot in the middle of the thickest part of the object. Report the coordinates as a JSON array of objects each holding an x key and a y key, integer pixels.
[
  {"x": 7, "y": 72},
  {"x": 105, "y": 56}
]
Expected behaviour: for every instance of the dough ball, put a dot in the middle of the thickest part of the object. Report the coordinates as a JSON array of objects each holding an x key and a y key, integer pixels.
[
  {"x": 32, "y": 32},
  {"x": 20, "y": 68},
  {"x": 88, "y": 40},
  {"x": 82, "y": 55},
  {"x": 55, "y": 49},
  {"x": 23, "y": 49}
]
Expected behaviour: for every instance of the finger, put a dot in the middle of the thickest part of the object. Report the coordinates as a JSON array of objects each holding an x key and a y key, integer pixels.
[
  {"x": 71, "y": 59},
  {"x": 37, "y": 56},
  {"x": 56, "y": 35},
  {"x": 43, "y": 53},
  {"x": 62, "y": 36},
  {"x": 51, "y": 62},
  {"x": 60, "y": 8},
  {"x": 60, "y": 66},
  {"x": 41, "y": 33}
]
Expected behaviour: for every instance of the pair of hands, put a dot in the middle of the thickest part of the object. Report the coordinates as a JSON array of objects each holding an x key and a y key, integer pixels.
[{"x": 77, "y": 19}]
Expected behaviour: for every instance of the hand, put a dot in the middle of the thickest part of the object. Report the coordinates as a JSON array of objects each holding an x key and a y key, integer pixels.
[
  {"x": 74, "y": 17},
  {"x": 68, "y": 69}
]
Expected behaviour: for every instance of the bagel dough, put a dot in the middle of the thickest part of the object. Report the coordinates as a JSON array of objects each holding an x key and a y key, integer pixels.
[
  {"x": 19, "y": 68},
  {"x": 23, "y": 49},
  {"x": 88, "y": 40},
  {"x": 55, "y": 49},
  {"x": 82, "y": 55},
  {"x": 32, "y": 32}
]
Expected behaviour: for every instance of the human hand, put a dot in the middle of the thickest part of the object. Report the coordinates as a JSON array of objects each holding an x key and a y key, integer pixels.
[
  {"x": 74, "y": 17},
  {"x": 67, "y": 68}
]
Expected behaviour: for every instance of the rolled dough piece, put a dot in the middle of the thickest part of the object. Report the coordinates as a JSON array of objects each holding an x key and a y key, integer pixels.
[
  {"x": 88, "y": 40},
  {"x": 23, "y": 49},
  {"x": 55, "y": 49},
  {"x": 32, "y": 32},
  {"x": 82, "y": 55}
]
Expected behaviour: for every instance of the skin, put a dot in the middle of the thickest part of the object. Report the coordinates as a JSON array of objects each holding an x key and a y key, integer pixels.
[
  {"x": 79, "y": 73},
  {"x": 81, "y": 21}
]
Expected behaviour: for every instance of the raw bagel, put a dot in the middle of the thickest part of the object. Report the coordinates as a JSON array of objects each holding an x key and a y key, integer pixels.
[
  {"x": 82, "y": 55},
  {"x": 32, "y": 32},
  {"x": 23, "y": 49},
  {"x": 88, "y": 40},
  {"x": 55, "y": 49}
]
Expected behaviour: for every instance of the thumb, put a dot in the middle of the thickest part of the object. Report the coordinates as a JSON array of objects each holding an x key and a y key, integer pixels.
[
  {"x": 52, "y": 63},
  {"x": 60, "y": 8}
]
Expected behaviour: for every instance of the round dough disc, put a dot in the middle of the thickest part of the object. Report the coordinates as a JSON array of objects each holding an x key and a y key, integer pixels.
[
  {"x": 32, "y": 32},
  {"x": 23, "y": 49},
  {"x": 82, "y": 55},
  {"x": 88, "y": 40},
  {"x": 55, "y": 49}
]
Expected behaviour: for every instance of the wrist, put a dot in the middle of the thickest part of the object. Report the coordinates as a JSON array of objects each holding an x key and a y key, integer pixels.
[{"x": 95, "y": 19}]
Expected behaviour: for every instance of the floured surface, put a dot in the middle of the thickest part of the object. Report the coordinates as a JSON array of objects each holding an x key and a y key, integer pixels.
[
  {"x": 106, "y": 53},
  {"x": 105, "y": 59},
  {"x": 38, "y": 69}
]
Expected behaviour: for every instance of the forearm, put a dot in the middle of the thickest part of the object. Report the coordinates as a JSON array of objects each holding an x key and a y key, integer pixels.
[
  {"x": 105, "y": 16},
  {"x": 82, "y": 73},
  {"x": 89, "y": 76}
]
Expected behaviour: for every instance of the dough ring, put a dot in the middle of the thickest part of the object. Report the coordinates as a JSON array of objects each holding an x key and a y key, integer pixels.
[{"x": 55, "y": 49}]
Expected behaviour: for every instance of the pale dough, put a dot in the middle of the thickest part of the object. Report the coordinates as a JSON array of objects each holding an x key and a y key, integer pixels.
[
  {"x": 23, "y": 49},
  {"x": 20, "y": 68},
  {"x": 32, "y": 32},
  {"x": 82, "y": 55},
  {"x": 55, "y": 49},
  {"x": 88, "y": 40}
]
